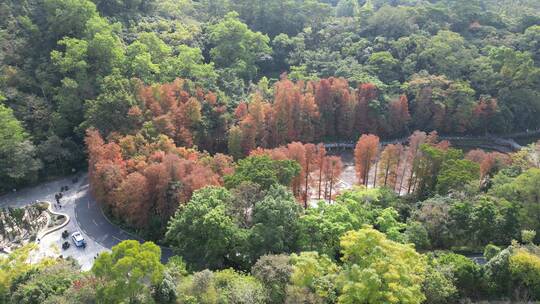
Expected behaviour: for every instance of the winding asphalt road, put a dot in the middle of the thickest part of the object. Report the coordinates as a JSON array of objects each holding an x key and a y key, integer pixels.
[
  {"x": 97, "y": 226},
  {"x": 86, "y": 217}
]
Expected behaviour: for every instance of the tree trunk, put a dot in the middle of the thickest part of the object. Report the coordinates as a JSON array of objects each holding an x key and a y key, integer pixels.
[
  {"x": 306, "y": 185},
  {"x": 366, "y": 172},
  {"x": 386, "y": 173},
  {"x": 402, "y": 177},
  {"x": 397, "y": 169},
  {"x": 320, "y": 177},
  {"x": 375, "y": 176}
]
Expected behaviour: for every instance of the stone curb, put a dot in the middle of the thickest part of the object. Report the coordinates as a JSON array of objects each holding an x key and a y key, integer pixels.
[{"x": 64, "y": 224}]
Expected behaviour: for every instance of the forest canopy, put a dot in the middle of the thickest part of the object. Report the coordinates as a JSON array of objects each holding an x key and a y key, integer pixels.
[
  {"x": 208, "y": 127},
  {"x": 390, "y": 67}
]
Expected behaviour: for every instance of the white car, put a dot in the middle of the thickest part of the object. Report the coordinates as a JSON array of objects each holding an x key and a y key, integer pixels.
[{"x": 78, "y": 239}]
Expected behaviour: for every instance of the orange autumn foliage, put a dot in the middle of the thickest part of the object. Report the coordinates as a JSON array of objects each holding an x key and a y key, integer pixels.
[
  {"x": 488, "y": 161},
  {"x": 323, "y": 110},
  {"x": 316, "y": 170},
  {"x": 365, "y": 154},
  {"x": 389, "y": 164},
  {"x": 140, "y": 180},
  {"x": 178, "y": 111}
]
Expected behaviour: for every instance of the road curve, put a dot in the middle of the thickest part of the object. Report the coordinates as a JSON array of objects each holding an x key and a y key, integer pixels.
[
  {"x": 86, "y": 216},
  {"x": 97, "y": 226}
]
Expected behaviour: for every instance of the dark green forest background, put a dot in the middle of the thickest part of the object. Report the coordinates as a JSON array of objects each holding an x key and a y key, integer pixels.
[{"x": 66, "y": 65}]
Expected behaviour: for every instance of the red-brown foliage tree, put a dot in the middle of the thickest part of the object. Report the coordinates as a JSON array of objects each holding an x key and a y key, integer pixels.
[
  {"x": 364, "y": 121},
  {"x": 132, "y": 199},
  {"x": 389, "y": 163},
  {"x": 415, "y": 140},
  {"x": 312, "y": 160},
  {"x": 320, "y": 156},
  {"x": 336, "y": 104},
  {"x": 484, "y": 111},
  {"x": 187, "y": 116},
  {"x": 143, "y": 180},
  {"x": 324, "y": 110},
  {"x": 254, "y": 125},
  {"x": 295, "y": 113},
  {"x": 399, "y": 116},
  {"x": 365, "y": 153},
  {"x": 332, "y": 168},
  {"x": 310, "y": 165},
  {"x": 490, "y": 162}
]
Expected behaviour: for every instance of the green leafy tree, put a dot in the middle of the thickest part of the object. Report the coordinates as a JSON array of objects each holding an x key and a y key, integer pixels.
[
  {"x": 387, "y": 222},
  {"x": 437, "y": 168},
  {"x": 440, "y": 103},
  {"x": 198, "y": 288},
  {"x": 490, "y": 251},
  {"x": 55, "y": 153},
  {"x": 125, "y": 9},
  {"x": 82, "y": 61},
  {"x": 264, "y": 171},
  {"x": 82, "y": 291},
  {"x": 497, "y": 273},
  {"x": 434, "y": 215},
  {"x": 225, "y": 286},
  {"x": 530, "y": 41},
  {"x": 245, "y": 197},
  {"x": 13, "y": 266},
  {"x": 417, "y": 234},
  {"x": 385, "y": 66},
  {"x": 166, "y": 290},
  {"x": 315, "y": 275},
  {"x": 378, "y": 270},
  {"x": 152, "y": 60},
  {"x": 528, "y": 194},
  {"x": 129, "y": 272},
  {"x": 234, "y": 143},
  {"x": 275, "y": 223},
  {"x": 493, "y": 220},
  {"x": 203, "y": 232},
  {"x": 145, "y": 57},
  {"x": 439, "y": 286},
  {"x": 527, "y": 236},
  {"x": 517, "y": 80},
  {"x": 467, "y": 273},
  {"x": 45, "y": 283},
  {"x": 274, "y": 17},
  {"x": 347, "y": 8},
  {"x": 189, "y": 64},
  {"x": 321, "y": 227},
  {"x": 274, "y": 271},
  {"x": 456, "y": 174},
  {"x": 524, "y": 191},
  {"x": 236, "y": 47},
  {"x": 17, "y": 154},
  {"x": 525, "y": 269},
  {"x": 389, "y": 21},
  {"x": 446, "y": 54},
  {"x": 239, "y": 288},
  {"x": 67, "y": 18},
  {"x": 109, "y": 111}
]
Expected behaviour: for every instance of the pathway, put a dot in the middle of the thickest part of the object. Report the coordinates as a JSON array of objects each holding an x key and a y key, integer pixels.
[{"x": 86, "y": 217}]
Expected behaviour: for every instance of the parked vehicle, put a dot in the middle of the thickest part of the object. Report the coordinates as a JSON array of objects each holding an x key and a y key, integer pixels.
[{"x": 78, "y": 239}]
